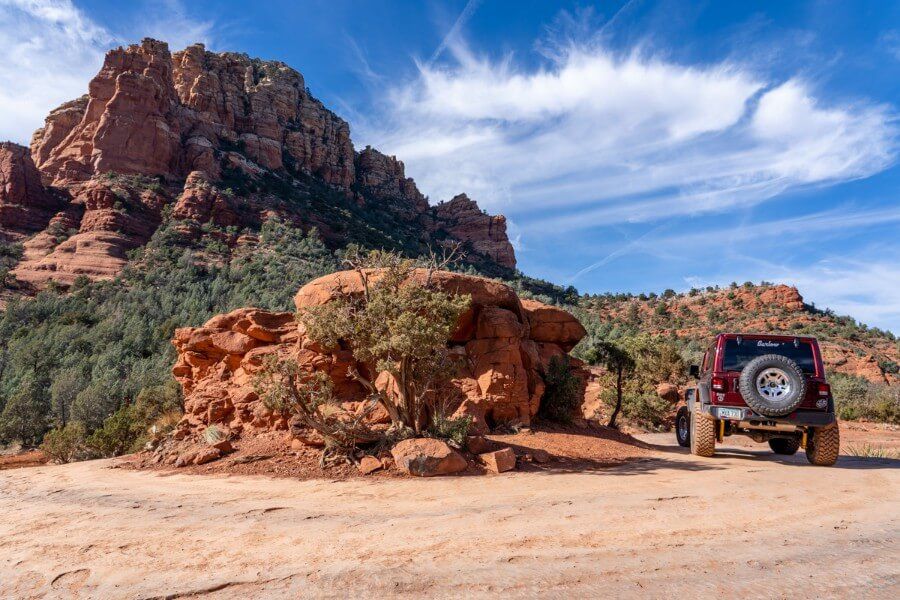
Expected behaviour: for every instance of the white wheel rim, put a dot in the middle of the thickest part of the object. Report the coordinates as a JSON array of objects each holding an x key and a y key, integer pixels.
[
  {"x": 683, "y": 427},
  {"x": 773, "y": 384}
]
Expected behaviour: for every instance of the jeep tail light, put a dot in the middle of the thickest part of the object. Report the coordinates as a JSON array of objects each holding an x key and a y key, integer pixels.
[
  {"x": 824, "y": 389},
  {"x": 719, "y": 384}
]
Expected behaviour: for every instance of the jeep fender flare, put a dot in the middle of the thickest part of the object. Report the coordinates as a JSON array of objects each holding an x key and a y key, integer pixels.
[{"x": 703, "y": 392}]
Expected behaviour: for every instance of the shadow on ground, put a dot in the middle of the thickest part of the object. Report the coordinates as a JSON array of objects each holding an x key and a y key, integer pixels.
[{"x": 595, "y": 448}]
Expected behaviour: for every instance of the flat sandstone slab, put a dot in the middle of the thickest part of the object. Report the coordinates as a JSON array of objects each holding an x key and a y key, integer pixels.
[{"x": 771, "y": 527}]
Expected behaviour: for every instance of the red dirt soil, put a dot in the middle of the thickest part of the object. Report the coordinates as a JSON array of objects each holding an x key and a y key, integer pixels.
[
  {"x": 28, "y": 458},
  {"x": 269, "y": 454}
]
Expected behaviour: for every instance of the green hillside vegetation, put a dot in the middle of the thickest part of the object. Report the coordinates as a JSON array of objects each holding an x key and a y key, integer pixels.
[
  {"x": 83, "y": 355},
  {"x": 97, "y": 357},
  {"x": 687, "y": 322}
]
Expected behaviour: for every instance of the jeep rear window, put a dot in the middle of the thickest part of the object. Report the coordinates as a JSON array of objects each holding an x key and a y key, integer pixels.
[{"x": 738, "y": 355}]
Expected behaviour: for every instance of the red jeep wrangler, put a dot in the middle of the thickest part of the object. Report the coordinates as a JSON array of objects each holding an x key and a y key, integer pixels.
[{"x": 771, "y": 388}]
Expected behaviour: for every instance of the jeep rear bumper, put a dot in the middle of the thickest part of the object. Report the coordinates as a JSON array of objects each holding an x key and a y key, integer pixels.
[{"x": 799, "y": 418}]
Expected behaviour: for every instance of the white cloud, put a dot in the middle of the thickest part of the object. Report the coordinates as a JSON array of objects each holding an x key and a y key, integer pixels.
[
  {"x": 168, "y": 20},
  {"x": 890, "y": 41},
  {"x": 51, "y": 51},
  {"x": 837, "y": 222},
  {"x": 594, "y": 138},
  {"x": 864, "y": 287},
  {"x": 810, "y": 143},
  {"x": 867, "y": 290}
]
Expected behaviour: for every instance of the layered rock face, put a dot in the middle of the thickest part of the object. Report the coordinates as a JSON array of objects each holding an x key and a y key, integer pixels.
[
  {"x": 384, "y": 177},
  {"x": 25, "y": 206},
  {"x": 93, "y": 234},
  {"x": 502, "y": 360},
  {"x": 185, "y": 122},
  {"x": 484, "y": 233},
  {"x": 154, "y": 113}
]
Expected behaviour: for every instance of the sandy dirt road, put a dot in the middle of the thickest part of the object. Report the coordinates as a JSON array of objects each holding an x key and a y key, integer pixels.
[{"x": 743, "y": 524}]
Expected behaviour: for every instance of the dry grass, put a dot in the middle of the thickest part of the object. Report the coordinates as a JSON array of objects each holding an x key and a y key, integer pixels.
[{"x": 871, "y": 451}]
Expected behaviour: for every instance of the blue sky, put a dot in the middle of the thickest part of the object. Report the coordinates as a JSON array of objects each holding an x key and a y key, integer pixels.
[{"x": 634, "y": 146}]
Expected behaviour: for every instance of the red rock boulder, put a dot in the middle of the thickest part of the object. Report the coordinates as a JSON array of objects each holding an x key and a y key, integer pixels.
[
  {"x": 500, "y": 379},
  {"x": 427, "y": 457}
]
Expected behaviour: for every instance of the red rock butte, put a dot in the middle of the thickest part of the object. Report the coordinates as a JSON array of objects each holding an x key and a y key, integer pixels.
[
  {"x": 177, "y": 124},
  {"x": 505, "y": 343}
]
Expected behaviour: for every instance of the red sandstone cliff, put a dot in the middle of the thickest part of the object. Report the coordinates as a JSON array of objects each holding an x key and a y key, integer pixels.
[{"x": 160, "y": 129}]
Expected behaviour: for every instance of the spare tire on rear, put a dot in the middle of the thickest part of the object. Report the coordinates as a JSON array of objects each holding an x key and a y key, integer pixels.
[{"x": 772, "y": 385}]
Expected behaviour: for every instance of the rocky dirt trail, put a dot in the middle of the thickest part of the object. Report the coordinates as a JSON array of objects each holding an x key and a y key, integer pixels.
[{"x": 745, "y": 524}]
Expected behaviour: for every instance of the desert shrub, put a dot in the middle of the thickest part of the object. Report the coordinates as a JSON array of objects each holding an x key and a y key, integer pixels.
[
  {"x": 131, "y": 426},
  {"x": 562, "y": 394},
  {"x": 856, "y": 398},
  {"x": 284, "y": 386},
  {"x": 450, "y": 428},
  {"x": 25, "y": 414},
  {"x": 872, "y": 451},
  {"x": 65, "y": 444},
  {"x": 212, "y": 435},
  {"x": 619, "y": 365},
  {"x": 397, "y": 327},
  {"x": 655, "y": 360},
  {"x": 889, "y": 366},
  {"x": 119, "y": 434}
]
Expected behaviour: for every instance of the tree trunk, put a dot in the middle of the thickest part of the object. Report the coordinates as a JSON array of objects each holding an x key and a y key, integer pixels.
[{"x": 612, "y": 419}]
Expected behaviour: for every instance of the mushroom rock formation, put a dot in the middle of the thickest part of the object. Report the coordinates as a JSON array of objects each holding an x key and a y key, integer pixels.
[{"x": 500, "y": 378}]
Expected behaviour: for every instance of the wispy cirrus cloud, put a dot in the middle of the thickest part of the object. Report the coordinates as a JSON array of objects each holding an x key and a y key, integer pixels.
[
  {"x": 857, "y": 286},
  {"x": 595, "y": 137},
  {"x": 170, "y": 21},
  {"x": 52, "y": 49}
]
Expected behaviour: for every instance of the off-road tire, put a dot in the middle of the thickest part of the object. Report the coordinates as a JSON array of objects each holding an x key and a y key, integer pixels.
[
  {"x": 703, "y": 435},
  {"x": 768, "y": 406},
  {"x": 823, "y": 445},
  {"x": 683, "y": 425},
  {"x": 785, "y": 446}
]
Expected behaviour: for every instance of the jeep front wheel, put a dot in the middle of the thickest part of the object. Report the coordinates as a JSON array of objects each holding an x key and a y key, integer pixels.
[
  {"x": 703, "y": 435},
  {"x": 683, "y": 427},
  {"x": 823, "y": 445},
  {"x": 784, "y": 445}
]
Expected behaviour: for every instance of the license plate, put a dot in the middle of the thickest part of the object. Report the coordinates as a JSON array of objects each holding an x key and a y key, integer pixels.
[{"x": 730, "y": 413}]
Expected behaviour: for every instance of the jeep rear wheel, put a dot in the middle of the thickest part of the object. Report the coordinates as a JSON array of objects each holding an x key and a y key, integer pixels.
[
  {"x": 703, "y": 435},
  {"x": 784, "y": 445},
  {"x": 683, "y": 427},
  {"x": 823, "y": 445}
]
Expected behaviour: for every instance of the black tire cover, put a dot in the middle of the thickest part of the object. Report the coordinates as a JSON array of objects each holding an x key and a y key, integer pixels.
[{"x": 772, "y": 407}]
